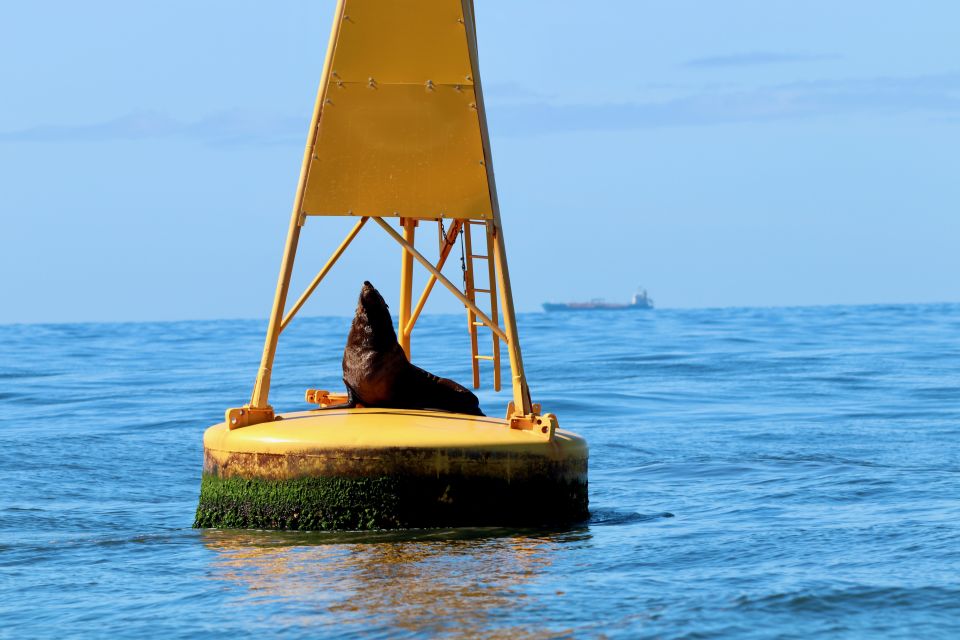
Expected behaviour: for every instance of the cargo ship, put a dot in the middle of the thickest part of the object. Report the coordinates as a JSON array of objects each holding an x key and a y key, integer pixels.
[{"x": 640, "y": 301}]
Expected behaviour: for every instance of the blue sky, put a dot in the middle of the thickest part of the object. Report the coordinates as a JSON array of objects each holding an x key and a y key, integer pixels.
[{"x": 724, "y": 153}]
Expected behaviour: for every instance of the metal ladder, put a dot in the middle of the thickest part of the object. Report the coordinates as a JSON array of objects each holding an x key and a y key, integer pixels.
[{"x": 471, "y": 291}]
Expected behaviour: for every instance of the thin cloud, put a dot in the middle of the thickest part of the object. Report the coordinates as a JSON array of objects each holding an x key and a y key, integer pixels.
[
  {"x": 936, "y": 97},
  {"x": 932, "y": 95},
  {"x": 219, "y": 129},
  {"x": 755, "y": 58}
]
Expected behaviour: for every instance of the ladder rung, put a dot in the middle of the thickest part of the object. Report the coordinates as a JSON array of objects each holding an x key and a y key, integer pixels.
[
  {"x": 483, "y": 357},
  {"x": 478, "y": 256},
  {"x": 479, "y": 324},
  {"x": 476, "y": 222},
  {"x": 481, "y": 290}
]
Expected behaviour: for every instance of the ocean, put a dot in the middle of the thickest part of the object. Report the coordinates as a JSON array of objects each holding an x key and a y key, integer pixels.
[{"x": 754, "y": 473}]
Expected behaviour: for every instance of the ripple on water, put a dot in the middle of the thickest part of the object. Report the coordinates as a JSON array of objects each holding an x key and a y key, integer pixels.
[{"x": 754, "y": 473}]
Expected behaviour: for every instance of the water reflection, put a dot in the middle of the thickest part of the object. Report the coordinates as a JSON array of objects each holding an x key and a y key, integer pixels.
[{"x": 455, "y": 583}]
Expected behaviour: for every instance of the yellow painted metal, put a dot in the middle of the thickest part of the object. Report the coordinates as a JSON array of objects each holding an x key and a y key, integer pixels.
[
  {"x": 446, "y": 244},
  {"x": 323, "y": 272},
  {"x": 521, "y": 392},
  {"x": 370, "y": 428},
  {"x": 469, "y": 291},
  {"x": 492, "y": 279},
  {"x": 325, "y": 398},
  {"x": 403, "y": 42},
  {"x": 399, "y": 129},
  {"x": 406, "y": 284},
  {"x": 439, "y": 276},
  {"x": 238, "y": 418},
  {"x": 259, "y": 399},
  {"x": 398, "y": 134}
]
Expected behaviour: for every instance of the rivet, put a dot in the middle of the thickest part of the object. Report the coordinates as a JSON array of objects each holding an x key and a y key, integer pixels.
[
  {"x": 482, "y": 163},
  {"x": 469, "y": 78},
  {"x": 371, "y": 83},
  {"x": 473, "y": 105},
  {"x": 460, "y": 20},
  {"x": 457, "y": 87},
  {"x": 328, "y": 101},
  {"x": 340, "y": 84}
]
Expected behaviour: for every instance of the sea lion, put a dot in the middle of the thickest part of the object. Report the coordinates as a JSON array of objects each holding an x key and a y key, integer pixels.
[{"x": 377, "y": 372}]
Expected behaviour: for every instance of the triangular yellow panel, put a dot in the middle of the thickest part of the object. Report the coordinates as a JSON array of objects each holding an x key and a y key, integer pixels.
[{"x": 399, "y": 131}]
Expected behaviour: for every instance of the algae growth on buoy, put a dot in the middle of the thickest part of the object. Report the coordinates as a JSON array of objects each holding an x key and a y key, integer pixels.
[
  {"x": 376, "y": 469},
  {"x": 399, "y": 131}
]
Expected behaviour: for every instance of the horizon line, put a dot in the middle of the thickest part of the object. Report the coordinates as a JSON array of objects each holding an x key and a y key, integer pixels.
[{"x": 519, "y": 313}]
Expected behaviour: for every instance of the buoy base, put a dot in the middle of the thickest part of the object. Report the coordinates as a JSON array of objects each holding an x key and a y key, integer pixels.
[
  {"x": 315, "y": 504},
  {"x": 358, "y": 469}
]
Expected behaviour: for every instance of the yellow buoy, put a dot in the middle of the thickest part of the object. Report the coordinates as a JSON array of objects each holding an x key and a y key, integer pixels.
[
  {"x": 377, "y": 468},
  {"x": 398, "y": 131}
]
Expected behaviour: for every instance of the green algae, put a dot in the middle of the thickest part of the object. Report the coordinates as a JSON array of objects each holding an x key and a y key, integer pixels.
[
  {"x": 308, "y": 504},
  {"x": 344, "y": 503}
]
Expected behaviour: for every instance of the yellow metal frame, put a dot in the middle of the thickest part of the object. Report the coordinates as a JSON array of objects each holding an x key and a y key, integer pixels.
[{"x": 432, "y": 200}]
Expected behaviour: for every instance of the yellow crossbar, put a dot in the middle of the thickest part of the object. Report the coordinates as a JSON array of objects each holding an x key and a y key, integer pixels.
[
  {"x": 323, "y": 272},
  {"x": 443, "y": 280}
]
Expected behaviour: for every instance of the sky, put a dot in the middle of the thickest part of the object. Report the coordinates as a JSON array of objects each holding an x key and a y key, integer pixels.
[{"x": 731, "y": 153}]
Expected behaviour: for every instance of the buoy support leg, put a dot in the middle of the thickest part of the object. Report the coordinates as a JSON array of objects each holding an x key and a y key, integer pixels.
[
  {"x": 439, "y": 276},
  {"x": 323, "y": 272},
  {"x": 448, "y": 241},
  {"x": 521, "y": 393},
  {"x": 406, "y": 283},
  {"x": 259, "y": 409}
]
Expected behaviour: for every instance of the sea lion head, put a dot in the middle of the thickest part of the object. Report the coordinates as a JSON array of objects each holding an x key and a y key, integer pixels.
[{"x": 373, "y": 317}]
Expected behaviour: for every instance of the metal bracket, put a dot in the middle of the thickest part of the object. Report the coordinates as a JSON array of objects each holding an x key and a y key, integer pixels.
[
  {"x": 545, "y": 424},
  {"x": 246, "y": 416},
  {"x": 324, "y": 398}
]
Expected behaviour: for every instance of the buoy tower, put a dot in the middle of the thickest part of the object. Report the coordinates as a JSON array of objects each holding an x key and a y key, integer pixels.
[{"x": 398, "y": 139}]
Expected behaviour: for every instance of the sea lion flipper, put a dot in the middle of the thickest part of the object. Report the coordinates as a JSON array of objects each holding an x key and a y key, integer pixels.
[
  {"x": 444, "y": 393},
  {"x": 351, "y": 402}
]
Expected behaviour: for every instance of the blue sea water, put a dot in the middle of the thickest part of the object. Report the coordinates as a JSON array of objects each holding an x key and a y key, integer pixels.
[{"x": 754, "y": 473}]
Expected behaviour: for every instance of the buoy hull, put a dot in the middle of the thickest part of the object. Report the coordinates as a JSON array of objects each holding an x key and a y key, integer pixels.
[{"x": 383, "y": 469}]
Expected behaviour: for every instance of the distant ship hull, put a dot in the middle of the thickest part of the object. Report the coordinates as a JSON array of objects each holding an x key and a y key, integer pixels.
[
  {"x": 593, "y": 306},
  {"x": 588, "y": 306},
  {"x": 640, "y": 301}
]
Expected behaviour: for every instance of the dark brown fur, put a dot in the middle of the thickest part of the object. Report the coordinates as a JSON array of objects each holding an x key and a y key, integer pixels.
[{"x": 377, "y": 373}]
